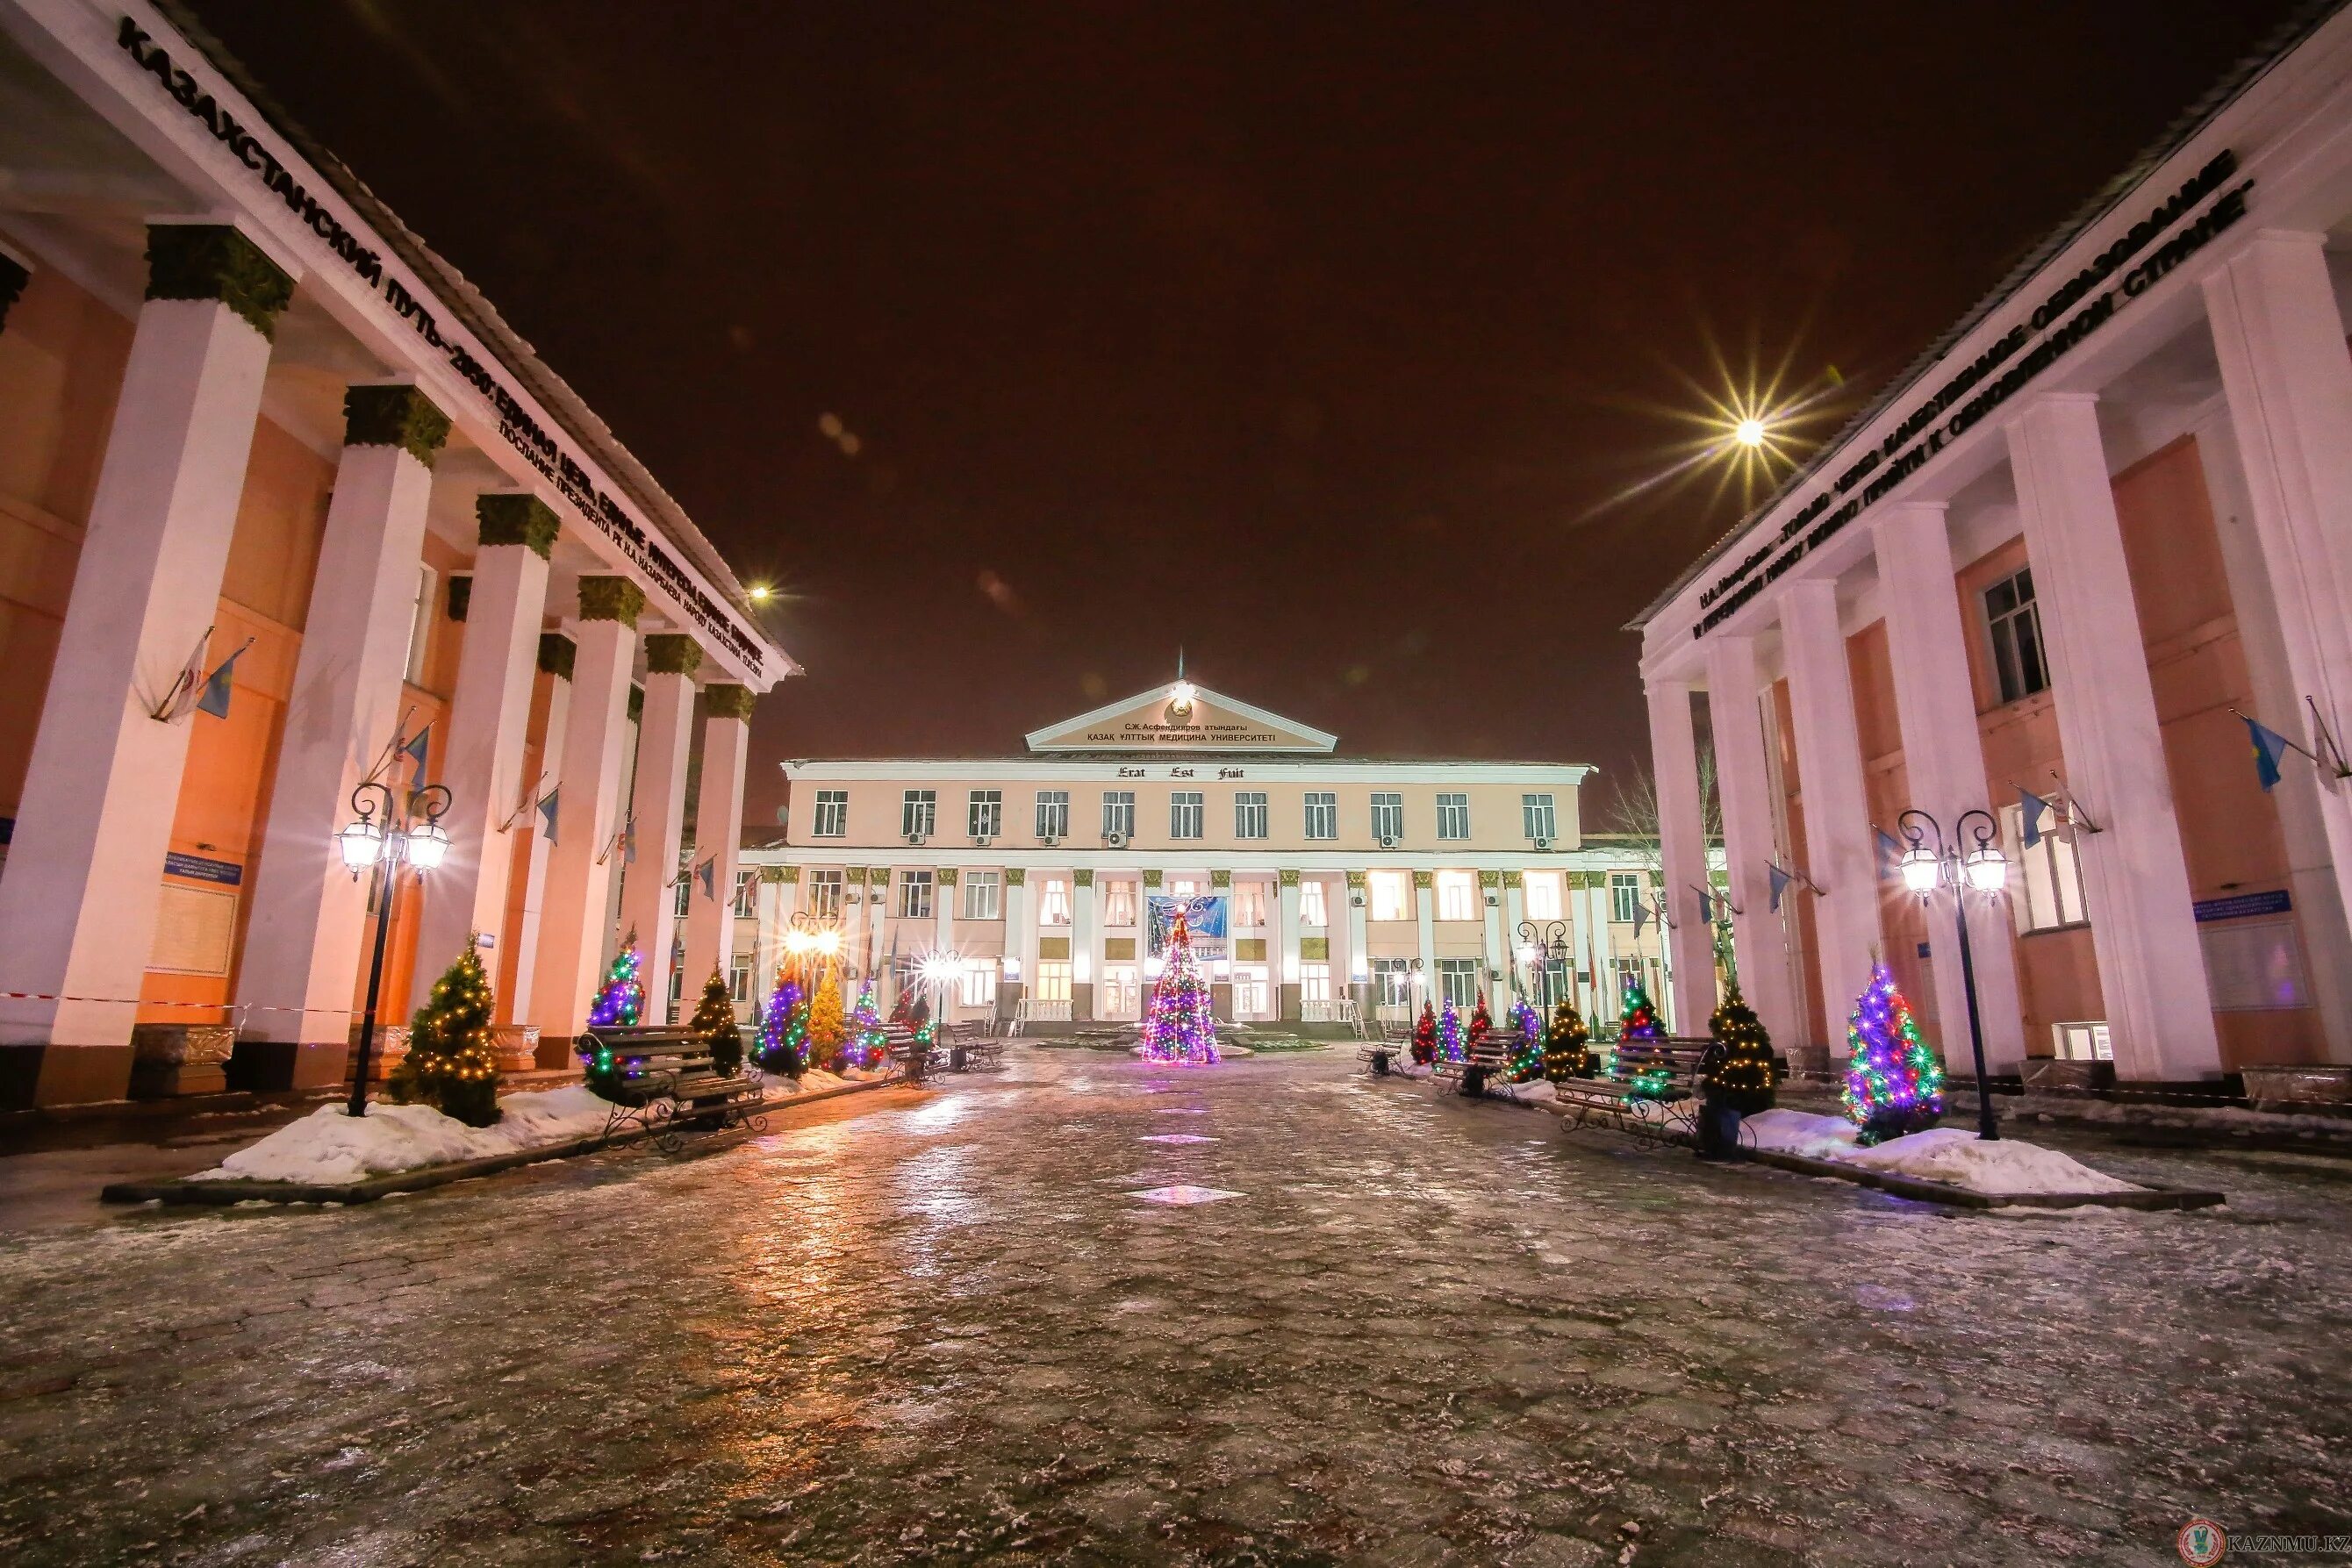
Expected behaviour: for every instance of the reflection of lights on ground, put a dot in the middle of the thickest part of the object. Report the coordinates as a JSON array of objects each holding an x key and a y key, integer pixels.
[
  {"x": 944, "y": 1111},
  {"x": 1178, "y": 1138},
  {"x": 1183, "y": 1194}
]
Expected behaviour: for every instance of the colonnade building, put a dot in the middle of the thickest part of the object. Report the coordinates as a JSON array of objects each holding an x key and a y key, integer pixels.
[
  {"x": 1316, "y": 880},
  {"x": 2050, "y": 576},
  {"x": 284, "y": 504}
]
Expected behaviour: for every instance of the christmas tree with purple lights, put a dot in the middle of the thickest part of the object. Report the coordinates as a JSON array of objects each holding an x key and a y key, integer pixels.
[
  {"x": 1449, "y": 1034},
  {"x": 620, "y": 1003},
  {"x": 1893, "y": 1084},
  {"x": 1528, "y": 1056},
  {"x": 865, "y": 1026},
  {"x": 783, "y": 1030},
  {"x": 1179, "y": 1028}
]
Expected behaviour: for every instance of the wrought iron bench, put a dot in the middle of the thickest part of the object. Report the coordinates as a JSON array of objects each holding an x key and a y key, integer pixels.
[
  {"x": 1483, "y": 1063},
  {"x": 1651, "y": 1090},
  {"x": 1379, "y": 1056},
  {"x": 664, "y": 1082}
]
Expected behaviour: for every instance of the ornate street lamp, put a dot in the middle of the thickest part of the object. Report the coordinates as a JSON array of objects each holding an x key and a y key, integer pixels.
[
  {"x": 1980, "y": 866},
  {"x": 380, "y": 840},
  {"x": 1540, "y": 946}
]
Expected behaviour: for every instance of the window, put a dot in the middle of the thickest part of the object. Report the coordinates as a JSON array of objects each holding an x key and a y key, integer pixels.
[
  {"x": 1457, "y": 982},
  {"x": 1387, "y": 817},
  {"x": 1453, "y": 816},
  {"x": 831, "y": 819},
  {"x": 1053, "y": 901},
  {"x": 1314, "y": 982},
  {"x": 1322, "y": 814},
  {"x": 1311, "y": 911},
  {"x": 987, "y": 813},
  {"x": 1537, "y": 818},
  {"x": 420, "y": 629},
  {"x": 825, "y": 891},
  {"x": 1183, "y": 887},
  {"x": 979, "y": 988},
  {"x": 680, "y": 892},
  {"x": 2083, "y": 1041},
  {"x": 1551, "y": 982},
  {"x": 1249, "y": 814},
  {"x": 1249, "y": 904},
  {"x": 1392, "y": 893},
  {"x": 1052, "y": 982},
  {"x": 982, "y": 896},
  {"x": 1053, "y": 813},
  {"x": 1118, "y": 812},
  {"x": 1394, "y": 978},
  {"x": 915, "y": 896},
  {"x": 2047, "y": 892},
  {"x": 1118, "y": 904},
  {"x": 1624, "y": 896},
  {"x": 1543, "y": 894},
  {"x": 1185, "y": 814},
  {"x": 739, "y": 979},
  {"x": 676, "y": 981},
  {"x": 1250, "y": 991},
  {"x": 1457, "y": 895},
  {"x": 2015, "y": 623},
  {"x": 918, "y": 815},
  {"x": 747, "y": 894},
  {"x": 1117, "y": 998}
]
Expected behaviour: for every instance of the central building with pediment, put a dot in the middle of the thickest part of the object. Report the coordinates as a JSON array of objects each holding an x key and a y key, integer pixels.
[{"x": 1335, "y": 885}]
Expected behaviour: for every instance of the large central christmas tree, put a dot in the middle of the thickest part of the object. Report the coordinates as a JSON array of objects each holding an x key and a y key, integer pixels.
[
  {"x": 1179, "y": 1028},
  {"x": 1893, "y": 1084}
]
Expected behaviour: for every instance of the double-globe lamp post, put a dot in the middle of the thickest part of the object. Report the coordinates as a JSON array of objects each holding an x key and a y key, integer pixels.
[
  {"x": 382, "y": 839},
  {"x": 1981, "y": 866},
  {"x": 1540, "y": 946}
]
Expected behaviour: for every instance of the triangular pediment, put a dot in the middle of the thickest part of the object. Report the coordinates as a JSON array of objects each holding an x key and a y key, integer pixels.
[{"x": 1178, "y": 718}]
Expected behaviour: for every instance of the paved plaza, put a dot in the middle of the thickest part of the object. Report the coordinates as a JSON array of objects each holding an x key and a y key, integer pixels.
[{"x": 1395, "y": 1327}]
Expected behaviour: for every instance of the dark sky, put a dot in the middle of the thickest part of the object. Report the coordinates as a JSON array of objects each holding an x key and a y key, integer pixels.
[{"x": 1306, "y": 336}]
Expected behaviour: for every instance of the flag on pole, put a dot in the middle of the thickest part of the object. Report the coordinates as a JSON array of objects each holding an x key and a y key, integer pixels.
[
  {"x": 2033, "y": 808},
  {"x": 1706, "y": 907},
  {"x": 1780, "y": 880},
  {"x": 416, "y": 752},
  {"x": 707, "y": 874},
  {"x": 1641, "y": 918},
  {"x": 2269, "y": 747},
  {"x": 629, "y": 842},
  {"x": 546, "y": 814},
  {"x": 1890, "y": 854},
  {"x": 215, "y": 697}
]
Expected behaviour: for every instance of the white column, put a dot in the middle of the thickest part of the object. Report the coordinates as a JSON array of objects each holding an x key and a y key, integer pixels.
[
  {"x": 2134, "y": 876},
  {"x": 1359, "y": 952},
  {"x": 1424, "y": 915},
  {"x": 1020, "y": 941},
  {"x": 1286, "y": 936},
  {"x": 303, "y": 936},
  {"x": 1838, "y": 841},
  {"x": 1682, "y": 847},
  {"x": 574, "y": 934},
  {"x": 1944, "y": 768},
  {"x": 557, "y": 655},
  {"x": 1758, "y": 938},
  {"x": 489, "y": 723},
  {"x": 1515, "y": 910},
  {"x": 657, "y": 808},
  {"x": 2288, "y": 379},
  {"x": 775, "y": 899},
  {"x": 719, "y": 830},
  {"x": 77, "y": 906},
  {"x": 1085, "y": 945}
]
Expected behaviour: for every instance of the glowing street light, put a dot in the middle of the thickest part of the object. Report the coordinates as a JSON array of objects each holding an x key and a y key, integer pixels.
[
  {"x": 1748, "y": 433},
  {"x": 375, "y": 842},
  {"x": 1986, "y": 870}
]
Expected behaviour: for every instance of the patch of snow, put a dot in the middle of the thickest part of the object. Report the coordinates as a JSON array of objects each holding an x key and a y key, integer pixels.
[
  {"x": 2006, "y": 1166},
  {"x": 1542, "y": 1091},
  {"x": 329, "y": 1146},
  {"x": 1789, "y": 1132}
]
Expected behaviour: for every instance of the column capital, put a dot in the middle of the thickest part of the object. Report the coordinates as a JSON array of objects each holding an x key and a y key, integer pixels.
[
  {"x": 783, "y": 874},
  {"x": 670, "y": 653},
  {"x": 1287, "y": 878},
  {"x": 1014, "y": 876},
  {"x": 556, "y": 655},
  {"x": 1355, "y": 878},
  {"x": 1151, "y": 879},
  {"x": 1082, "y": 877},
  {"x": 728, "y": 701},
  {"x": 1221, "y": 879},
  {"x": 216, "y": 262},
  {"x": 394, "y": 414},
  {"x": 514, "y": 518},
  {"x": 945, "y": 876},
  {"x": 1424, "y": 879},
  {"x": 1490, "y": 878},
  {"x": 610, "y": 599}
]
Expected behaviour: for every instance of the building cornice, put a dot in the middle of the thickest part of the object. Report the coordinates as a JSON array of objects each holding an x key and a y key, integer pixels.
[{"x": 1226, "y": 769}]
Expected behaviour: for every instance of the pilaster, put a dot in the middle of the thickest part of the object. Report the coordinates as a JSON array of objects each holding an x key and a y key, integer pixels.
[
  {"x": 719, "y": 828},
  {"x": 657, "y": 808},
  {"x": 553, "y": 692},
  {"x": 1682, "y": 848},
  {"x": 1758, "y": 934},
  {"x": 1838, "y": 840}
]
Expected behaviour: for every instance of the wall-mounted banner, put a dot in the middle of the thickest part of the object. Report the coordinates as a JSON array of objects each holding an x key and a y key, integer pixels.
[{"x": 1204, "y": 916}]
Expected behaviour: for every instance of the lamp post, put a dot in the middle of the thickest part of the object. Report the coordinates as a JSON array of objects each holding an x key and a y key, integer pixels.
[
  {"x": 1983, "y": 867},
  {"x": 1541, "y": 946},
  {"x": 939, "y": 967},
  {"x": 377, "y": 839}
]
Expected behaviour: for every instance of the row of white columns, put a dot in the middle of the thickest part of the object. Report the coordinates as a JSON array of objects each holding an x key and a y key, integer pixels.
[{"x": 2287, "y": 380}]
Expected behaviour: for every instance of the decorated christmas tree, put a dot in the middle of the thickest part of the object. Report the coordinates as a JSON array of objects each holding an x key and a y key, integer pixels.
[
  {"x": 1528, "y": 1056},
  {"x": 1566, "y": 1051},
  {"x": 783, "y": 1030},
  {"x": 1482, "y": 1024},
  {"x": 713, "y": 1025},
  {"x": 1637, "y": 1025},
  {"x": 828, "y": 1030},
  {"x": 866, "y": 1027},
  {"x": 621, "y": 1002},
  {"x": 450, "y": 1065},
  {"x": 1449, "y": 1033},
  {"x": 1179, "y": 1027},
  {"x": 1893, "y": 1084},
  {"x": 1739, "y": 1062},
  {"x": 1424, "y": 1036}
]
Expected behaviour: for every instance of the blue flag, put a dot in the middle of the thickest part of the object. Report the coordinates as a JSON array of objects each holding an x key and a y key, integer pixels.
[
  {"x": 546, "y": 815},
  {"x": 214, "y": 698},
  {"x": 414, "y": 751},
  {"x": 1890, "y": 854},
  {"x": 1706, "y": 908},
  {"x": 2269, "y": 747},
  {"x": 2033, "y": 808},
  {"x": 707, "y": 874},
  {"x": 1780, "y": 880}
]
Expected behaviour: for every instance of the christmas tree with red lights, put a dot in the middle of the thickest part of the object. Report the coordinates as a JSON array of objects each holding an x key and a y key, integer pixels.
[
  {"x": 1179, "y": 1027},
  {"x": 1482, "y": 1024},
  {"x": 1424, "y": 1037}
]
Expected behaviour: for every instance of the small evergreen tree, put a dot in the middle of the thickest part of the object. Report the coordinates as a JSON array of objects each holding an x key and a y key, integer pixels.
[
  {"x": 714, "y": 1027},
  {"x": 1482, "y": 1024},
  {"x": 1893, "y": 1084},
  {"x": 1566, "y": 1051},
  {"x": 866, "y": 1027},
  {"x": 828, "y": 1030},
  {"x": 1449, "y": 1033},
  {"x": 450, "y": 1065},
  {"x": 783, "y": 1030},
  {"x": 1424, "y": 1036},
  {"x": 1738, "y": 1060},
  {"x": 620, "y": 1001},
  {"x": 1527, "y": 1059}
]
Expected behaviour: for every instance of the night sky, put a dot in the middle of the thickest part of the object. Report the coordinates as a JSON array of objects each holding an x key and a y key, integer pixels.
[{"x": 1311, "y": 338}]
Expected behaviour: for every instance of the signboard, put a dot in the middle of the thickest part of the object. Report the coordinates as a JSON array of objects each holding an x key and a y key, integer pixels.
[
  {"x": 197, "y": 867},
  {"x": 1204, "y": 917},
  {"x": 2241, "y": 905}
]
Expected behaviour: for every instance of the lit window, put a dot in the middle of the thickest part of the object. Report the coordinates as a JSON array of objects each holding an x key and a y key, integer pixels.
[
  {"x": 1053, "y": 813},
  {"x": 1249, "y": 814},
  {"x": 1453, "y": 816},
  {"x": 1118, "y": 904},
  {"x": 2083, "y": 1041},
  {"x": 1543, "y": 894},
  {"x": 1457, "y": 982},
  {"x": 825, "y": 891},
  {"x": 746, "y": 893},
  {"x": 1249, "y": 904},
  {"x": 915, "y": 896},
  {"x": 739, "y": 979},
  {"x": 1387, "y": 817},
  {"x": 1536, "y": 816},
  {"x": 1053, "y": 901},
  {"x": 2047, "y": 890},
  {"x": 1052, "y": 982},
  {"x": 1392, "y": 893},
  {"x": 1311, "y": 910},
  {"x": 979, "y": 988},
  {"x": 2015, "y": 623},
  {"x": 982, "y": 896},
  {"x": 832, "y": 818},
  {"x": 1119, "y": 813},
  {"x": 1314, "y": 982},
  {"x": 1183, "y": 887},
  {"x": 1322, "y": 814},
  {"x": 1457, "y": 895},
  {"x": 1117, "y": 998},
  {"x": 986, "y": 818},
  {"x": 919, "y": 813},
  {"x": 1185, "y": 814},
  {"x": 1624, "y": 896},
  {"x": 1394, "y": 978}
]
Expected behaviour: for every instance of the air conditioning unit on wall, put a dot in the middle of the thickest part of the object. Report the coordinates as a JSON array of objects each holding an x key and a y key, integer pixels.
[
  {"x": 1114, "y": 840},
  {"x": 1389, "y": 840},
  {"x": 982, "y": 840},
  {"x": 1543, "y": 843},
  {"x": 1050, "y": 839},
  {"x": 918, "y": 840}
]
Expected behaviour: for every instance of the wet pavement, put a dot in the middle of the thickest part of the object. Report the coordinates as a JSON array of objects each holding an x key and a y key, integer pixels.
[{"x": 1391, "y": 1326}]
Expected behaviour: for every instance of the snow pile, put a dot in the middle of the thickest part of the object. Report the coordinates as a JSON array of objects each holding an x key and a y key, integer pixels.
[
  {"x": 815, "y": 1078},
  {"x": 1539, "y": 1092},
  {"x": 1798, "y": 1133},
  {"x": 1954, "y": 1156},
  {"x": 329, "y": 1146}
]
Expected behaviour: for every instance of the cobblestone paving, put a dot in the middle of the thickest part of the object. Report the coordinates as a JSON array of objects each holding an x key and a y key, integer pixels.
[{"x": 938, "y": 1328}]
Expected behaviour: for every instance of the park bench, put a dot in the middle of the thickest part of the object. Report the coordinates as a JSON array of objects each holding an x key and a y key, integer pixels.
[
  {"x": 667, "y": 1082},
  {"x": 971, "y": 1046},
  {"x": 1651, "y": 1090},
  {"x": 1482, "y": 1063},
  {"x": 1379, "y": 1056}
]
